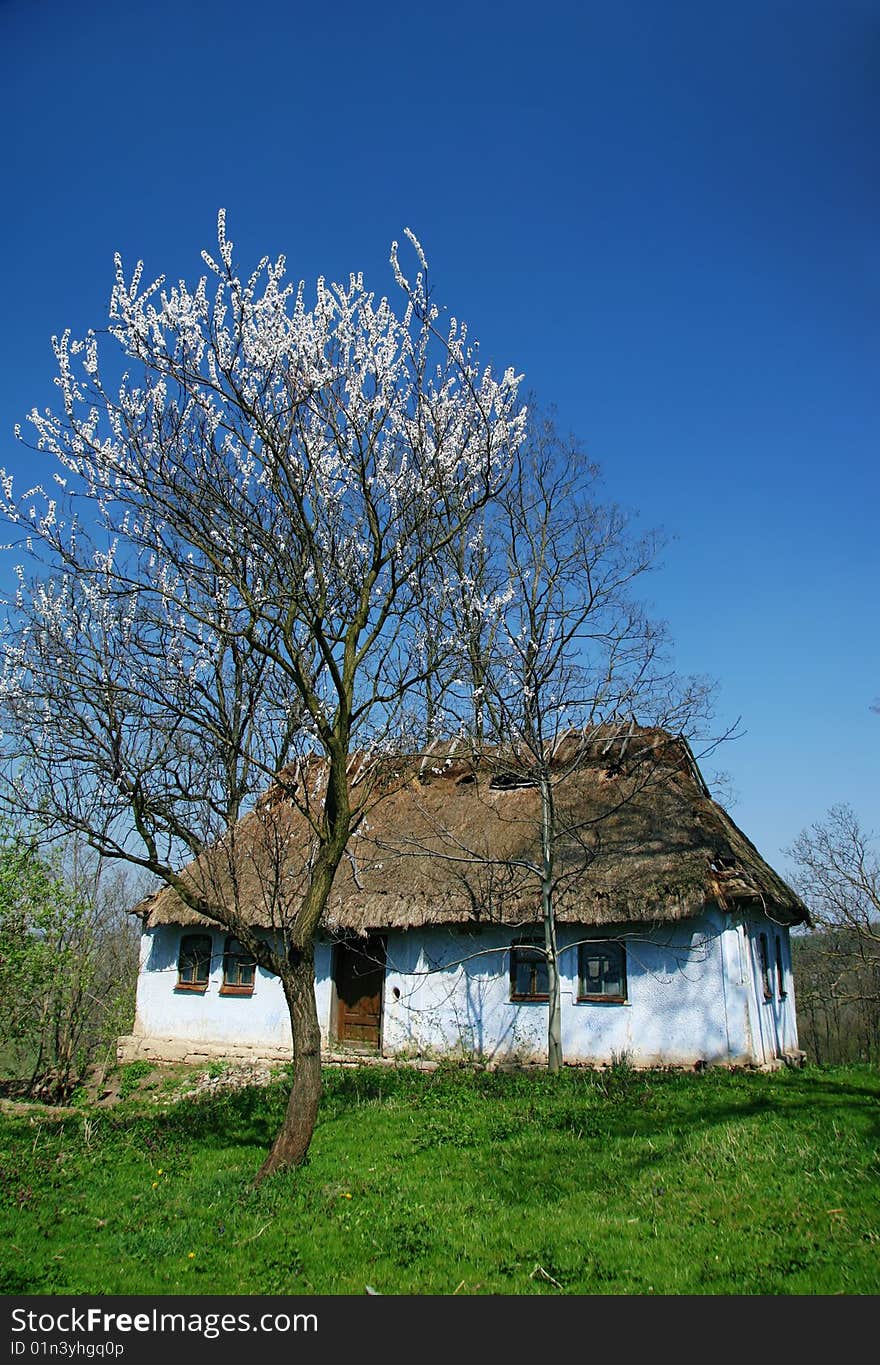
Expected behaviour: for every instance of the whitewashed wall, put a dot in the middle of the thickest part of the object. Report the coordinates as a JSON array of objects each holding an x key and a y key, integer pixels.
[
  {"x": 173, "y": 1023},
  {"x": 694, "y": 995},
  {"x": 677, "y": 1009},
  {"x": 772, "y": 1021}
]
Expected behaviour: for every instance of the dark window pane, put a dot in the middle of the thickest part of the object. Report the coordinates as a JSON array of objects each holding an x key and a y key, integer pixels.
[
  {"x": 765, "y": 966},
  {"x": 528, "y": 971},
  {"x": 194, "y": 962},
  {"x": 602, "y": 971},
  {"x": 238, "y": 966}
]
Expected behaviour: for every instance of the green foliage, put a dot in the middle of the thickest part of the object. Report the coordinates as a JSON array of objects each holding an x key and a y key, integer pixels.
[
  {"x": 67, "y": 970},
  {"x": 131, "y": 1076},
  {"x": 613, "y": 1182}
]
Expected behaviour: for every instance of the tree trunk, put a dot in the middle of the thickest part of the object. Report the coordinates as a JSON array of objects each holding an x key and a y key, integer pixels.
[
  {"x": 554, "y": 1020},
  {"x": 292, "y": 1142},
  {"x": 548, "y": 912}
]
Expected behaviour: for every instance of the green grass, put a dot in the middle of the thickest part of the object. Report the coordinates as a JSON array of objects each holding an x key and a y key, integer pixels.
[{"x": 589, "y": 1183}]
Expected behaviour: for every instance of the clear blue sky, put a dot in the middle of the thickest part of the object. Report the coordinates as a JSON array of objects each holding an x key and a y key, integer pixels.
[{"x": 666, "y": 215}]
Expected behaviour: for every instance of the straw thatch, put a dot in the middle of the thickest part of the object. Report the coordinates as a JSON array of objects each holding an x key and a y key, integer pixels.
[{"x": 456, "y": 841}]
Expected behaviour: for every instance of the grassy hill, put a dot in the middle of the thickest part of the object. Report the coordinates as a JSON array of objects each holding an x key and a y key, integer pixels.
[{"x": 614, "y": 1182}]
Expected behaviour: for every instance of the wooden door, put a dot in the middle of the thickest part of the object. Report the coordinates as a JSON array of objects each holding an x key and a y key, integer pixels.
[{"x": 359, "y": 976}]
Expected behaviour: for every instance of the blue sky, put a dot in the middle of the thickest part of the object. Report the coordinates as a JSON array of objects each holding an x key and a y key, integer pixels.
[{"x": 665, "y": 215}]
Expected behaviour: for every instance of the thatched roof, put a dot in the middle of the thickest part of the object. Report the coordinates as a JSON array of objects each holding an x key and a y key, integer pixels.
[{"x": 457, "y": 841}]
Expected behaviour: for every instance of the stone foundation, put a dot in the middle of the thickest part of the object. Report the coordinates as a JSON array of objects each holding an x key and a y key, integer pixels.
[{"x": 134, "y": 1047}]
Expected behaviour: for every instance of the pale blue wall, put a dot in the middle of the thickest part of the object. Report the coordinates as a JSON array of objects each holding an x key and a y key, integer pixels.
[
  {"x": 772, "y": 1022},
  {"x": 251, "y": 1021},
  {"x": 694, "y": 994},
  {"x": 675, "y": 1011}
]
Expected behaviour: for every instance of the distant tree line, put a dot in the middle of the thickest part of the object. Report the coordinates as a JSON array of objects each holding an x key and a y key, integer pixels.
[{"x": 837, "y": 988}]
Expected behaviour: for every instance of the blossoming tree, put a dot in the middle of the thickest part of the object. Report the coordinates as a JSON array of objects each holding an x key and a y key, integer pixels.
[{"x": 222, "y": 584}]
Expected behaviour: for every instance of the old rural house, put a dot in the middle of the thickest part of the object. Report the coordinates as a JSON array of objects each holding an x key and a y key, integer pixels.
[{"x": 674, "y": 932}]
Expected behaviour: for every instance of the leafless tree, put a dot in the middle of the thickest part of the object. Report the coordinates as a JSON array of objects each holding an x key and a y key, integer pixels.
[
  {"x": 558, "y": 659},
  {"x": 222, "y": 588},
  {"x": 837, "y": 873}
]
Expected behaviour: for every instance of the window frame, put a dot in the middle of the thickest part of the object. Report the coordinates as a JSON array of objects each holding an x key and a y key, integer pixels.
[
  {"x": 239, "y": 956},
  {"x": 764, "y": 966},
  {"x": 606, "y": 946},
  {"x": 197, "y": 986},
  {"x": 780, "y": 969},
  {"x": 532, "y": 997}
]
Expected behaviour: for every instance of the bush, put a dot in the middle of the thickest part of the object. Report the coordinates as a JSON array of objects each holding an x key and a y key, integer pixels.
[{"x": 68, "y": 967}]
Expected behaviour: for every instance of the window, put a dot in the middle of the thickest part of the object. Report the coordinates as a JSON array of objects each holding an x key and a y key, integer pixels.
[
  {"x": 194, "y": 962},
  {"x": 764, "y": 961},
  {"x": 602, "y": 972},
  {"x": 780, "y": 970},
  {"x": 238, "y": 969},
  {"x": 528, "y": 971}
]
